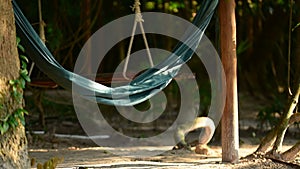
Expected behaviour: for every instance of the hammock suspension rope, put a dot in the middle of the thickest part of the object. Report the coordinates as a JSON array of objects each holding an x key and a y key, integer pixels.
[{"x": 138, "y": 20}]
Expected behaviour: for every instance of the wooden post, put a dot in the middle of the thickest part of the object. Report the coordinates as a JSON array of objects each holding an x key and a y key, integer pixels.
[{"x": 230, "y": 135}]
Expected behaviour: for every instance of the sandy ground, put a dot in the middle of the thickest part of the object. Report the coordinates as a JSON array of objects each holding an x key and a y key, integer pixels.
[{"x": 83, "y": 155}]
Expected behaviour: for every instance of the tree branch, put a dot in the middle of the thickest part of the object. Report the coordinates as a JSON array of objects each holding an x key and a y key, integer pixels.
[
  {"x": 291, "y": 153},
  {"x": 295, "y": 118}
]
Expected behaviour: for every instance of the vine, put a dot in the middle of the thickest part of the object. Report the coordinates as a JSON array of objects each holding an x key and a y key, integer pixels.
[{"x": 12, "y": 120}]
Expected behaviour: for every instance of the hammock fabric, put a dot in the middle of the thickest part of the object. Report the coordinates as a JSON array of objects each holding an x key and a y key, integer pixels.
[{"x": 140, "y": 89}]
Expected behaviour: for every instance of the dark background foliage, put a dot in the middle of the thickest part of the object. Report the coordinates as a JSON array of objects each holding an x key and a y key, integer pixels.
[{"x": 262, "y": 41}]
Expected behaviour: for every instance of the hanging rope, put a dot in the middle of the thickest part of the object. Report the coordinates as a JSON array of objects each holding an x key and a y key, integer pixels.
[
  {"x": 141, "y": 88},
  {"x": 138, "y": 20}
]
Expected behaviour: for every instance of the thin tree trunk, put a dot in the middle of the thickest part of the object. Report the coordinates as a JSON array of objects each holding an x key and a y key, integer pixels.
[
  {"x": 276, "y": 135},
  {"x": 13, "y": 144},
  {"x": 230, "y": 137},
  {"x": 285, "y": 122}
]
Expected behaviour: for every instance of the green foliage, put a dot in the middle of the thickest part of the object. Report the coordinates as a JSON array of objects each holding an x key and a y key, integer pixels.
[
  {"x": 12, "y": 120},
  {"x": 297, "y": 25},
  {"x": 280, "y": 2},
  {"x": 271, "y": 115},
  {"x": 150, "y": 5},
  {"x": 24, "y": 61},
  {"x": 172, "y": 6},
  {"x": 50, "y": 164},
  {"x": 242, "y": 47},
  {"x": 20, "y": 83},
  {"x": 175, "y": 6},
  {"x": 55, "y": 35}
]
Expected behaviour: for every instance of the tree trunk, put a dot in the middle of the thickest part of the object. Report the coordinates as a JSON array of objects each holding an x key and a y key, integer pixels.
[
  {"x": 283, "y": 126},
  {"x": 13, "y": 144},
  {"x": 230, "y": 137}
]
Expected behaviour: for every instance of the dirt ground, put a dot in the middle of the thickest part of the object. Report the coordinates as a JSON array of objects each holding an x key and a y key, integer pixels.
[
  {"x": 82, "y": 154},
  {"x": 79, "y": 152}
]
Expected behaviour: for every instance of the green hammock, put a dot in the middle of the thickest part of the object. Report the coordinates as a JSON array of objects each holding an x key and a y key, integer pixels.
[{"x": 140, "y": 89}]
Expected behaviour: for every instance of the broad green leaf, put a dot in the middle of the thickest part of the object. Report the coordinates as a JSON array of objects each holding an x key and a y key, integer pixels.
[
  {"x": 23, "y": 72},
  {"x": 25, "y": 111},
  {"x": 21, "y": 48},
  {"x": 23, "y": 83},
  {"x": 24, "y": 58},
  {"x": 18, "y": 40},
  {"x": 24, "y": 65},
  {"x": 5, "y": 127},
  {"x": 26, "y": 77},
  {"x": 12, "y": 82}
]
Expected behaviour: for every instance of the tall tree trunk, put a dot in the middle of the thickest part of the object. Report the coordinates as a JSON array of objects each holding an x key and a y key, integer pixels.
[
  {"x": 13, "y": 144},
  {"x": 230, "y": 136}
]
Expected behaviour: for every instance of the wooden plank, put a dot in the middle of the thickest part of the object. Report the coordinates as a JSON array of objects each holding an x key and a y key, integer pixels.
[{"x": 230, "y": 137}]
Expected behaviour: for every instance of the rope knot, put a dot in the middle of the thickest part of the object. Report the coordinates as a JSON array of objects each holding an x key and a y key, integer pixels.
[
  {"x": 137, "y": 9},
  {"x": 139, "y": 17}
]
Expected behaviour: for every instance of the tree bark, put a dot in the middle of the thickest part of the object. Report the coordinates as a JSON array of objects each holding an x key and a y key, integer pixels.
[
  {"x": 276, "y": 135},
  {"x": 13, "y": 144},
  {"x": 230, "y": 137},
  {"x": 295, "y": 118},
  {"x": 283, "y": 126},
  {"x": 291, "y": 154},
  {"x": 267, "y": 141}
]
